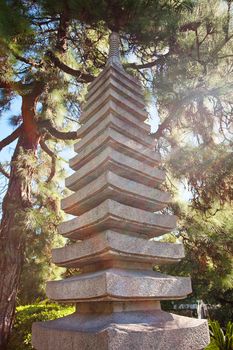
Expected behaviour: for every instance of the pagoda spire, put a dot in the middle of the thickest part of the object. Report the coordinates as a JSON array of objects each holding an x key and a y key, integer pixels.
[{"x": 114, "y": 50}]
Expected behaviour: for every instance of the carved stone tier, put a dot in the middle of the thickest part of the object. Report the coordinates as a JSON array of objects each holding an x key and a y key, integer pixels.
[
  {"x": 89, "y": 146},
  {"x": 123, "y": 90},
  {"x": 112, "y": 186},
  {"x": 115, "y": 95},
  {"x": 118, "y": 284},
  {"x": 113, "y": 215},
  {"x": 114, "y": 246},
  {"x": 112, "y": 108},
  {"x": 119, "y": 163},
  {"x": 117, "y": 192},
  {"x": 117, "y": 141}
]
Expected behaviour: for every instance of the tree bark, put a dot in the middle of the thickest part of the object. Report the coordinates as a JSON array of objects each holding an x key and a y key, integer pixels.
[
  {"x": 13, "y": 235},
  {"x": 17, "y": 201}
]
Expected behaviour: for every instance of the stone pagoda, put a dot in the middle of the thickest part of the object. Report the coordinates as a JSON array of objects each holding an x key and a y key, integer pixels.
[{"x": 115, "y": 196}]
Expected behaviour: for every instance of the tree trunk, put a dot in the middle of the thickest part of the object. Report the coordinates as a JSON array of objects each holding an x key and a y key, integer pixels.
[{"x": 14, "y": 231}]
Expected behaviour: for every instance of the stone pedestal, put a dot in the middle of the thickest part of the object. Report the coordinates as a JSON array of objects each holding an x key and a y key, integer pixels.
[
  {"x": 116, "y": 194},
  {"x": 122, "y": 329}
]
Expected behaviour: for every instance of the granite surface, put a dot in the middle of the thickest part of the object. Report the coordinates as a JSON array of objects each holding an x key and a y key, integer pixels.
[
  {"x": 155, "y": 330},
  {"x": 110, "y": 245}
]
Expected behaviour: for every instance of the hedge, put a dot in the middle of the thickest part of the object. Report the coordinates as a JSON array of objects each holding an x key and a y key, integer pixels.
[{"x": 26, "y": 315}]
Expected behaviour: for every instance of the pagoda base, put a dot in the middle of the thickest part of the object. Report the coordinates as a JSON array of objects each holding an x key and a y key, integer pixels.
[{"x": 126, "y": 330}]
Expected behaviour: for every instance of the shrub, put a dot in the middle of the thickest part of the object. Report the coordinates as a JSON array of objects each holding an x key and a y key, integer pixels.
[
  {"x": 219, "y": 339},
  {"x": 26, "y": 315}
]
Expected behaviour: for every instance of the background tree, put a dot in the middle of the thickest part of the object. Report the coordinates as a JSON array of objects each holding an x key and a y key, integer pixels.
[
  {"x": 194, "y": 97},
  {"x": 26, "y": 71},
  {"x": 50, "y": 50}
]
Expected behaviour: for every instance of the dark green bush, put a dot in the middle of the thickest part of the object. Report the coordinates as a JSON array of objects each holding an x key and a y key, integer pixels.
[
  {"x": 26, "y": 315},
  {"x": 221, "y": 314}
]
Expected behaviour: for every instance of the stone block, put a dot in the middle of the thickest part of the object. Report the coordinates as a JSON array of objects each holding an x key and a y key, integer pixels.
[
  {"x": 119, "y": 284},
  {"x": 111, "y": 108},
  {"x": 122, "y": 127},
  {"x": 121, "y": 143},
  {"x": 119, "y": 87},
  {"x": 110, "y": 245},
  {"x": 112, "y": 186},
  {"x": 113, "y": 215},
  {"x": 120, "y": 100},
  {"x": 120, "y": 77},
  {"x": 148, "y": 330},
  {"x": 120, "y": 164},
  {"x": 119, "y": 74}
]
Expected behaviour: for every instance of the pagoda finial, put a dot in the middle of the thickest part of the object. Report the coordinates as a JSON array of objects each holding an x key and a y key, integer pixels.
[{"x": 114, "y": 52}]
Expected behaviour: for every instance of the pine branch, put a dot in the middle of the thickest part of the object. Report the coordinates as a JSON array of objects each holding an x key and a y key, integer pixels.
[
  {"x": 225, "y": 56},
  {"x": 4, "y": 172},
  {"x": 160, "y": 59},
  {"x": 12, "y": 137},
  {"x": 44, "y": 22},
  {"x": 10, "y": 85},
  {"x": 61, "y": 135},
  {"x": 143, "y": 66},
  {"x": 62, "y": 31},
  {"x": 78, "y": 74},
  {"x": 16, "y": 86},
  {"x": 27, "y": 60},
  {"x": 192, "y": 95},
  {"x": 53, "y": 160},
  {"x": 163, "y": 126}
]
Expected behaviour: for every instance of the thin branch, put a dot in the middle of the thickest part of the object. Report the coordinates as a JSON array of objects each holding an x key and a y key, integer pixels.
[
  {"x": 62, "y": 31},
  {"x": 197, "y": 45},
  {"x": 4, "y": 172},
  {"x": 78, "y": 74},
  {"x": 27, "y": 60},
  {"x": 151, "y": 64},
  {"x": 228, "y": 18},
  {"x": 45, "y": 17},
  {"x": 12, "y": 137},
  {"x": 16, "y": 86},
  {"x": 221, "y": 45},
  {"x": 192, "y": 95},
  {"x": 53, "y": 160},
  {"x": 73, "y": 120},
  {"x": 225, "y": 56},
  {"x": 61, "y": 135},
  {"x": 42, "y": 23}
]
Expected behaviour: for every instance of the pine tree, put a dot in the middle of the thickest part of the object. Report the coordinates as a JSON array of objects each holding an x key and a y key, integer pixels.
[
  {"x": 194, "y": 90},
  {"x": 193, "y": 86},
  {"x": 48, "y": 50}
]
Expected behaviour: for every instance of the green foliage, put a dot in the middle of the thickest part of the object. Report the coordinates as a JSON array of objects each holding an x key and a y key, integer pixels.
[
  {"x": 223, "y": 312},
  {"x": 208, "y": 258},
  {"x": 41, "y": 221},
  {"x": 209, "y": 175},
  {"x": 13, "y": 22},
  {"x": 219, "y": 339},
  {"x": 26, "y": 315},
  {"x": 193, "y": 85},
  {"x": 141, "y": 18},
  {"x": 194, "y": 89}
]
